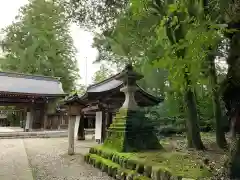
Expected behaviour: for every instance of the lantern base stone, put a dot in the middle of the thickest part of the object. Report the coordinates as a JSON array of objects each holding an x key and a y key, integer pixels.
[{"x": 131, "y": 131}]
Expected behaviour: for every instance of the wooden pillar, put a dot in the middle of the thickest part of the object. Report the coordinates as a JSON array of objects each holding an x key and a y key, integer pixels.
[
  {"x": 42, "y": 116},
  {"x": 77, "y": 122},
  {"x": 109, "y": 119},
  {"x": 81, "y": 132},
  {"x": 32, "y": 118},
  {"x": 28, "y": 119},
  {"x": 98, "y": 126},
  {"x": 45, "y": 117},
  {"x": 59, "y": 121},
  {"x": 103, "y": 135},
  {"x": 71, "y": 124},
  {"x": 73, "y": 111},
  {"x": 24, "y": 118},
  {"x": 20, "y": 118}
]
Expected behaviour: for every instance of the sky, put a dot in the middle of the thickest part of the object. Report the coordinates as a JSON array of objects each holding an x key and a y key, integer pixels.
[{"x": 82, "y": 40}]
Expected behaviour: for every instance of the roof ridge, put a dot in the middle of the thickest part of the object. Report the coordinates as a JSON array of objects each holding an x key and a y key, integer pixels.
[
  {"x": 101, "y": 82},
  {"x": 148, "y": 93},
  {"x": 30, "y": 76}
]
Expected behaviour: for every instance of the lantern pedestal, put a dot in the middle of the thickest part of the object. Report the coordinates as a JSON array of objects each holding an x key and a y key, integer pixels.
[{"x": 131, "y": 132}]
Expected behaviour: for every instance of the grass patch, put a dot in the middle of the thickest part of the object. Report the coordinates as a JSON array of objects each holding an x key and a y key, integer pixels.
[
  {"x": 177, "y": 163},
  {"x": 208, "y": 135}
]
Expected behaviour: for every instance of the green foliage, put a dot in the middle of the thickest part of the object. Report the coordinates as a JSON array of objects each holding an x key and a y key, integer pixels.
[
  {"x": 165, "y": 40},
  {"x": 141, "y": 35},
  {"x": 39, "y": 42},
  {"x": 13, "y": 119},
  {"x": 155, "y": 79},
  {"x": 95, "y": 14},
  {"x": 195, "y": 45},
  {"x": 80, "y": 89},
  {"x": 102, "y": 74}
]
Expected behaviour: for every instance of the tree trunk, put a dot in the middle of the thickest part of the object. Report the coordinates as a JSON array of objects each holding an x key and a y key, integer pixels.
[
  {"x": 175, "y": 35},
  {"x": 234, "y": 156},
  {"x": 220, "y": 134},
  {"x": 233, "y": 100},
  {"x": 193, "y": 130},
  {"x": 234, "y": 166},
  {"x": 233, "y": 129}
]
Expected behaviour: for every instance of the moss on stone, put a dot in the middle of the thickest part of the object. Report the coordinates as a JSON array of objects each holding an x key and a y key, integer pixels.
[
  {"x": 96, "y": 158},
  {"x": 131, "y": 164},
  {"x": 148, "y": 171},
  {"x": 131, "y": 131},
  {"x": 98, "y": 164},
  {"x": 140, "y": 168},
  {"x": 178, "y": 164},
  {"x": 141, "y": 178},
  {"x": 113, "y": 169}
]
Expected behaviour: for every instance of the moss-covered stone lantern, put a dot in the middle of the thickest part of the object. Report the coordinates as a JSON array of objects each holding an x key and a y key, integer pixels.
[{"x": 131, "y": 130}]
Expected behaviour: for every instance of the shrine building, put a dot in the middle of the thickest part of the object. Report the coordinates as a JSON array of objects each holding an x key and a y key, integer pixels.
[
  {"x": 100, "y": 103},
  {"x": 36, "y": 96}
]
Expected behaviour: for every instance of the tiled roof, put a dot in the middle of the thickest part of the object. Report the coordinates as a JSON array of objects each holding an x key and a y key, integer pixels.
[
  {"x": 114, "y": 84},
  {"x": 74, "y": 99},
  {"x": 29, "y": 84},
  {"x": 105, "y": 86}
]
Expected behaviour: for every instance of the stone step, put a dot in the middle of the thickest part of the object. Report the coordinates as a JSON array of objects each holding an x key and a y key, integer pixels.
[
  {"x": 11, "y": 135},
  {"x": 133, "y": 168},
  {"x": 25, "y": 137},
  {"x": 113, "y": 169}
]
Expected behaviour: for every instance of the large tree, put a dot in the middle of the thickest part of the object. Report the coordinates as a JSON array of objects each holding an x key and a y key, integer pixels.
[
  {"x": 231, "y": 85},
  {"x": 39, "y": 42},
  {"x": 95, "y": 14},
  {"x": 136, "y": 39},
  {"x": 130, "y": 38}
]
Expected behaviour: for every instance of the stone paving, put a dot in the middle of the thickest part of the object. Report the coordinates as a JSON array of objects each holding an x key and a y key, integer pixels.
[
  {"x": 6, "y": 130},
  {"x": 17, "y": 132},
  {"x": 47, "y": 159}
]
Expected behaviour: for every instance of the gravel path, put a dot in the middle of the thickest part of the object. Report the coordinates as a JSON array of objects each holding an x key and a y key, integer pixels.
[
  {"x": 13, "y": 160},
  {"x": 49, "y": 160},
  {"x": 45, "y": 159}
]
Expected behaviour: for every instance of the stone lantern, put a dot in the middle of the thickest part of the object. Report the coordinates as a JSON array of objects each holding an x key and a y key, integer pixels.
[{"x": 130, "y": 130}]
